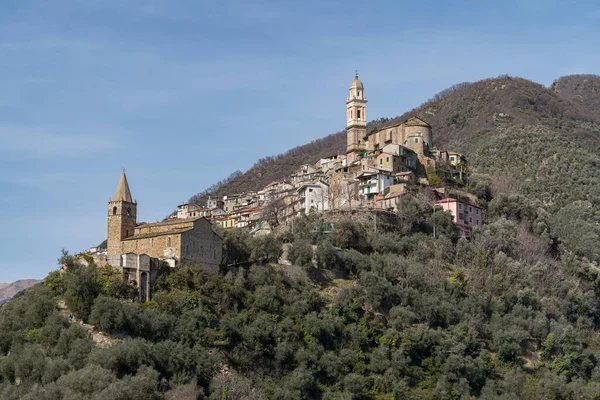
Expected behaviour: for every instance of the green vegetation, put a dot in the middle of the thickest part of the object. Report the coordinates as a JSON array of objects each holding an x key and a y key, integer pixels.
[
  {"x": 397, "y": 313},
  {"x": 410, "y": 311}
]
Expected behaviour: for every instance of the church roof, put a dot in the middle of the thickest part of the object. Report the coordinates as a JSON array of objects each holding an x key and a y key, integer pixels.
[
  {"x": 156, "y": 234},
  {"x": 122, "y": 193},
  {"x": 176, "y": 221}
]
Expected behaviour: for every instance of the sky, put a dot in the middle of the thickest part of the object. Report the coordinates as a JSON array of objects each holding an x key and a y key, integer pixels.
[{"x": 181, "y": 93}]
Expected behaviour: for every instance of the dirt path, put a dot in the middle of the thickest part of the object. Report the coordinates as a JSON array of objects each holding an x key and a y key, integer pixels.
[{"x": 99, "y": 338}]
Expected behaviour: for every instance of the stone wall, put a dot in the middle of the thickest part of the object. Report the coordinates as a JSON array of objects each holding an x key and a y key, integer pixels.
[
  {"x": 202, "y": 246},
  {"x": 121, "y": 223},
  {"x": 157, "y": 246},
  {"x": 164, "y": 226}
]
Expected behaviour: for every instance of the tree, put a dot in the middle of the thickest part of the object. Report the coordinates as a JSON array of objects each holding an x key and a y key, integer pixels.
[{"x": 277, "y": 208}]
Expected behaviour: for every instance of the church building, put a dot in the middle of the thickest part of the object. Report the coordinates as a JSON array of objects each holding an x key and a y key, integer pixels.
[
  {"x": 414, "y": 134},
  {"x": 138, "y": 247}
]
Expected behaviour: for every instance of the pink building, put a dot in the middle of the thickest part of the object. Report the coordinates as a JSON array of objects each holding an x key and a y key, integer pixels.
[{"x": 467, "y": 216}]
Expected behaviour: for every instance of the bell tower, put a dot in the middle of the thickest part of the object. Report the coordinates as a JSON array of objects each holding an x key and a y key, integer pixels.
[
  {"x": 122, "y": 213},
  {"x": 356, "y": 109}
]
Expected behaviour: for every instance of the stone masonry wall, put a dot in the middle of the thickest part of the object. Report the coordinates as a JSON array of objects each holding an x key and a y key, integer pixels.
[
  {"x": 202, "y": 246},
  {"x": 155, "y": 246}
]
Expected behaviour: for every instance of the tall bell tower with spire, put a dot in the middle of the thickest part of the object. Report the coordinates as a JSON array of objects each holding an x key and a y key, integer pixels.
[
  {"x": 356, "y": 116},
  {"x": 122, "y": 213}
]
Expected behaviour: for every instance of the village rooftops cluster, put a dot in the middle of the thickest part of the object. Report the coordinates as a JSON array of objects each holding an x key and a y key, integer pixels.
[{"x": 377, "y": 169}]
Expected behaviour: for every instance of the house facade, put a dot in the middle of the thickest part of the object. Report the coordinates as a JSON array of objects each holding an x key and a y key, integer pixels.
[
  {"x": 313, "y": 197},
  {"x": 465, "y": 215}
]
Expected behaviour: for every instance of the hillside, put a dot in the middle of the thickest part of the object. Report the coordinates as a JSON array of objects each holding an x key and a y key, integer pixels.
[
  {"x": 392, "y": 310},
  {"x": 581, "y": 90},
  {"x": 478, "y": 119},
  {"x": 397, "y": 313}
]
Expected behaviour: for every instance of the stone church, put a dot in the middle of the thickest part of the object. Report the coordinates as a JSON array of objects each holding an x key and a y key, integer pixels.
[
  {"x": 137, "y": 248},
  {"x": 414, "y": 134}
]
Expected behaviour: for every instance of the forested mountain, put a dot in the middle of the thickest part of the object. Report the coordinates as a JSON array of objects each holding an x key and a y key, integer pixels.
[{"x": 406, "y": 309}]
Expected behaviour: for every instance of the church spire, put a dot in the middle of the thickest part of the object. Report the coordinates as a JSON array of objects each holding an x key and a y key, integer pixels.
[{"x": 122, "y": 193}]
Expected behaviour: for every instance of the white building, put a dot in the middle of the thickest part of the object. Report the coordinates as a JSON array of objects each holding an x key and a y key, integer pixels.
[
  {"x": 373, "y": 183},
  {"x": 314, "y": 196}
]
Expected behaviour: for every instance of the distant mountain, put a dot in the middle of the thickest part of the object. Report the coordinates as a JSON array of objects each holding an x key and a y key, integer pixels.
[
  {"x": 8, "y": 290},
  {"x": 543, "y": 140}
]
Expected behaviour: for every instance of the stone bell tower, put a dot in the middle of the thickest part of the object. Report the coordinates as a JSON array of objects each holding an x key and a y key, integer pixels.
[
  {"x": 122, "y": 213},
  {"x": 356, "y": 126}
]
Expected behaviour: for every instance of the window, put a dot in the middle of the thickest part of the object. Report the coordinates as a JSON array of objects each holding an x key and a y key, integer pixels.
[
  {"x": 310, "y": 190},
  {"x": 129, "y": 211},
  {"x": 459, "y": 205},
  {"x": 477, "y": 211},
  {"x": 358, "y": 114},
  {"x": 416, "y": 140},
  {"x": 477, "y": 222},
  {"x": 387, "y": 159},
  {"x": 452, "y": 158},
  {"x": 470, "y": 209},
  {"x": 380, "y": 161},
  {"x": 169, "y": 241},
  {"x": 114, "y": 210}
]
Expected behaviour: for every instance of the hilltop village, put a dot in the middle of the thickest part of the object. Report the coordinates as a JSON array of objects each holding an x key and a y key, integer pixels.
[{"x": 378, "y": 168}]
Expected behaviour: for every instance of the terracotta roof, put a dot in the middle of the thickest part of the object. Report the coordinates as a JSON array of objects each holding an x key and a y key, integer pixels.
[
  {"x": 155, "y": 234},
  {"x": 448, "y": 200},
  {"x": 122, "y": 193},
  {"x": 453, "y": 200},
  {"x": 169, "y": 222}
]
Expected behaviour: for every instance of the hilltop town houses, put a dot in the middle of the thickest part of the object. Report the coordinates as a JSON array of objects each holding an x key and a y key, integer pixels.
[{"x": 378, "y": 168}]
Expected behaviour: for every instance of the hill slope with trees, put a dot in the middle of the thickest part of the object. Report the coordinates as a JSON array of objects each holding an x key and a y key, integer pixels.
[{"x": 402, "y": 310}]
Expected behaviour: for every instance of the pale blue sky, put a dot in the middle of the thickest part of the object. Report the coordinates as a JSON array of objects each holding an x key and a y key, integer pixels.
[{"x": 182, "y": 93}]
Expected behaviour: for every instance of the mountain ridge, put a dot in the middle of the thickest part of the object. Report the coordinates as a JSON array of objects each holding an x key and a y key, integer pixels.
[{"x": 8, "y": 290}]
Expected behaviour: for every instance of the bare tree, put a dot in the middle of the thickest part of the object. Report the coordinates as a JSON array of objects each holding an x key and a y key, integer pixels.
[
  {"x": 352, "y": 192},
  {"x": 276, "y": 208},
  {"x": 321, "y": 197}
]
